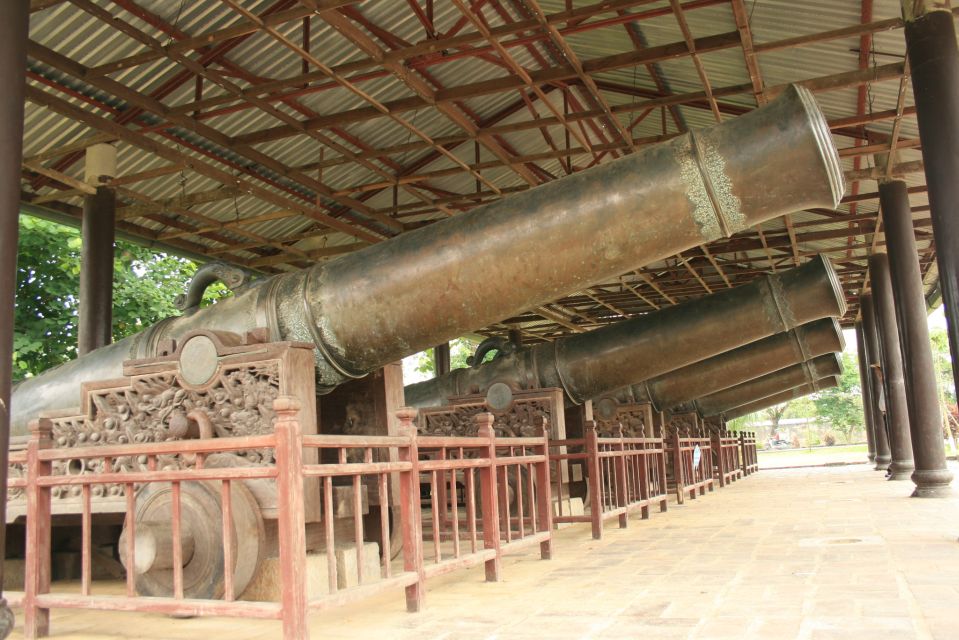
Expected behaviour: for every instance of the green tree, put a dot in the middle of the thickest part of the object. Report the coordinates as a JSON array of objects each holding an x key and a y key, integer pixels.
[
  {"x": 942, "y": 361},
  {"x": 48, "y": 281},
  {"x": 460, "y": 350},
  {"x": 942, "y": 364},
  {"x": 841, "y": 406}
]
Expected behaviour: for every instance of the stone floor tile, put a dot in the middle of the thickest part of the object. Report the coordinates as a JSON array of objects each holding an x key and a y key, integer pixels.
[{"x": 804, "y": 554}]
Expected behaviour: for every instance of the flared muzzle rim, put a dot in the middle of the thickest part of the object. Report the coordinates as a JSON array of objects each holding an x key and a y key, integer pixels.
[{"x": 824, "y": 142}]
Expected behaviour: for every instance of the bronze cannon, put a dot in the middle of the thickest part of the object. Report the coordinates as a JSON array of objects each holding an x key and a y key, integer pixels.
[
  {"x": 591, "y": 364},
  {"x": 364, "y": 309},
  {"x": 736, "y": 366},
  {"x": 781, "y": 397},
  {"x": 805, "y": 373}
]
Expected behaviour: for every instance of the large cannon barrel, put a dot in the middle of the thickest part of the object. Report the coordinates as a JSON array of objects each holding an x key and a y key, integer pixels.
[
  {"x": 743, "y": 364},
  {"x": 590, "y": 364},
  {"x": 366, "y": 309},
  {"x": 788, "y": 378},
  {"x": 781, "y": 397}
]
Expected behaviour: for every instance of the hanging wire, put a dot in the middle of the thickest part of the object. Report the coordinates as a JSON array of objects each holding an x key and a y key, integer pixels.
[
  {"x": 409, "y": 136},
  {"x": 176, "y": 21}
]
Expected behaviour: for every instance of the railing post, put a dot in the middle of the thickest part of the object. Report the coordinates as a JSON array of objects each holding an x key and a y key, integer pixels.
[
  {"x": 410, "y": 512},
  {"x": 661, "y": 466},
  {"x": 544, "y": 498},
  {"x": 36, "y": 621},
  {"x": 710, "y": 463},
  {"x": 291, "y": 527},
  {"x": 747, "y": 464},
  {"x": 716, "y": 443},
  {"x": 644, "y": 493},
  {"x": 679, "y": 466},
  {"x": 620, "y": 467},
  {"x": 594, "y": 469},
  {"x": 490, "y": 496}
]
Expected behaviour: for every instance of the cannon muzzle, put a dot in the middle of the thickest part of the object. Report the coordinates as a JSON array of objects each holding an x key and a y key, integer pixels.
[
  {"x": 781, "y": 397},
  {"x": 805, "y": 373},
  {"x": 367, "y": 308},
  {"x": 590, "y": 364}
]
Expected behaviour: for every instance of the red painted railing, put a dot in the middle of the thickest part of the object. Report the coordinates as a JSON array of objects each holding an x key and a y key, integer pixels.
[
  {"x": 726, "y": 452},
  {"x": 623, "y": 474},
  {"x": 750, "y": 455},
  {"x": 358, "y": 461},
  {"x": 692, "y": 472}
]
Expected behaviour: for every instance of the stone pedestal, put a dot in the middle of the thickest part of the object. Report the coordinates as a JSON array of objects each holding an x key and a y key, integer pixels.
[{"x": 266, "y": 583}]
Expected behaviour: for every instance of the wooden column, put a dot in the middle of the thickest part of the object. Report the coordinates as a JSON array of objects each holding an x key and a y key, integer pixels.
[
  {"x": 931, "y": 476},
  {"x": 934, "y": 65},
  {"x": 14, "y": 19},
  {"x": 95, "y": 327},
  {"x": 441, "y": 359},
  {"x": 897, "y": 409},
  {"x": 867, "y": 416},
  {"x": 874, "y": 373}
]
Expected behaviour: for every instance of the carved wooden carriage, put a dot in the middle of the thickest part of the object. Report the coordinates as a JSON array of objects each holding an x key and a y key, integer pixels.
[{"x": 209, "y": 384}]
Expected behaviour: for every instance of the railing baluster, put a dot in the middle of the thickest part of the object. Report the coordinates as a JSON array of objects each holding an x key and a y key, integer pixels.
[
  {"x": 177, "y": 542},
  {"x": 385, "y": 524},
  {"x": 329, "y": 534},
  {"x": 455, "y": 512},
  {"x": 520, "y": 511},
  {"x": 131, "y": 529},
  {"x": 358, "y": 527},
  {"x": 229, "y": 540},
  {"x": 471, "y": 506},
  {"x": 86, "y": 542},
  {"x": 434, "y": 499}
]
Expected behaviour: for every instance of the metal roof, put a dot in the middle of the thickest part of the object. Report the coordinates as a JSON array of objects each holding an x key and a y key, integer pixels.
[{"x": 130, "y": 61}]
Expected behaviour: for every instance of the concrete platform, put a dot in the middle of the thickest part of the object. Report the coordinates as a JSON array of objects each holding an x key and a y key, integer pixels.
[{"x": 815, "y": 553}]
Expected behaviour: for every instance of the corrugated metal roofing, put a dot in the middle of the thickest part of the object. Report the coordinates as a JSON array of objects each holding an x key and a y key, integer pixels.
[{"x": 69, "y": 31}]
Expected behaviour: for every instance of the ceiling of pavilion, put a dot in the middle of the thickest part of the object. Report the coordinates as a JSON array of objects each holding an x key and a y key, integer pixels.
[{"x": 274, "y": 133}]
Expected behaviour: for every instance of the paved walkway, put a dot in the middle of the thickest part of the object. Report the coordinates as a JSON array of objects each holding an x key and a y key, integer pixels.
[{"x": 808, "y": 553}]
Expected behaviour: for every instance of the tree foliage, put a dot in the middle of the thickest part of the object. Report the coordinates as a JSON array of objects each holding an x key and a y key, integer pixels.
[
  {"x": 48, "y": 283},
  {"x": 841, "y": 406},
  {"x": 460, "y": 350}
]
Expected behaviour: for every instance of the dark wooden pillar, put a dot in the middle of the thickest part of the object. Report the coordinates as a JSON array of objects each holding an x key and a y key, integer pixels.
[
  {"x": 897, "y": 409},
  {"x": 14, "y": 17},
  {"x": 931, "y": 476},
  {"x": 934, "y": 65},
  {"x": 867, "y": 417},
  {"x": 874, "y": 373},
  {"x": 95, "y": 327},
  {"x": 441, "y": 359}
]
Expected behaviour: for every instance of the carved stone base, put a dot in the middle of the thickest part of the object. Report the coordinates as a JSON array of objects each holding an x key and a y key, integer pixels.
[
  {"x": 266, "y": 584},
  {"x": 571, "y": 507}
]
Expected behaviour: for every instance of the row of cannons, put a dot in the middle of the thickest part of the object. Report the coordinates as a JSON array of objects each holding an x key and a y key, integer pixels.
[{"x": 228, "y": 452}]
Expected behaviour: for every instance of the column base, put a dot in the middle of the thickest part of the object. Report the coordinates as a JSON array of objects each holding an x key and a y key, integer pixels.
[
  {"x": 882, "y": 463},
  {"x": 872, "y": 457},
  {"x": 901, "y": 471},
  {"x": 932, "y": 483},
  {"x": 6, "y": 619}
]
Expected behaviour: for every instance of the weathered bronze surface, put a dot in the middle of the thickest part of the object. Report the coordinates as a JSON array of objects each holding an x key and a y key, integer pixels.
[
  {"x": 788, "y": 378},
  {"x": 365, "y": 309},
  {"x": 779, "y": 398},
  {"x": 588, "y": 365},
  {"x": 741, "y": 365}
]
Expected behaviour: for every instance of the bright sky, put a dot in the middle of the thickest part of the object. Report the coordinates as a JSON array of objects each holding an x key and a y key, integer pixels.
[{"x": 937, "y": 320}]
